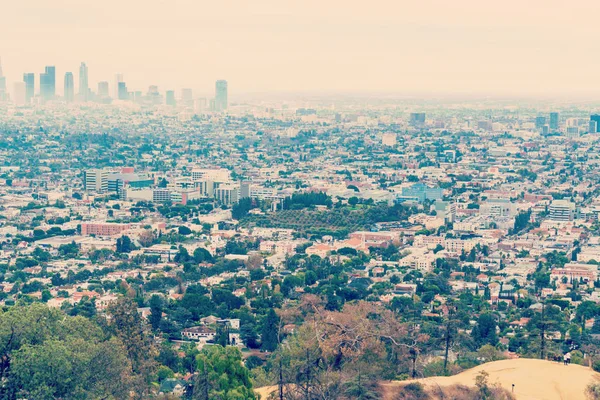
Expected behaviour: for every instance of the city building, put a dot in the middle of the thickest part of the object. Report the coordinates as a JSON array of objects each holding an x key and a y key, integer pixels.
[
  {"x": 29, "y": 79},
  {"x": 118, "y": 79},
  {"x": 84, "y": 88},
  {"x": 561, "y": 210},
  {"x": 103, "y": 228},
  {"x": 595, "y": 118},
  {"x": 221, "y": 100},
  {"x": 69, "y": 93},
  {"x": 540, "y": 121},
  {"x": 103, "y": 89},
  {"x": 417, "y": 119},
  {"x": 123, "y": 94},
  {"x": 422, "y": 192},
  {"x": 3, "y": 93},
  {"x": 554, "y": 120},
  {"x": 96, "y": 180},
  {"x": 170, "y": 98},
  {"x": 227, "y": 194},
  {"x": 48, "y": 83}
]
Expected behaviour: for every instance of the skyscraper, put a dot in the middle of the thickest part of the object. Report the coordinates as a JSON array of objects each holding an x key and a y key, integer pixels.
[
  {"x": 170, "y": 97},
  {"x": 29, "y": 79},
  {"x": 3, "y": 95},
  {"x": 48, "y": 83},
  {"x": 221, "y": 95},
  {"x": 540, "y": 122},
  {"x": 69, "y": 87},
  {"x": 118, "y": 79},
  {"x": 102, "y": 89},
  {"x": 122, "y": 92},
  {"x": 84, "y": 88},
  {"x": 594, "y": 118},
  {"x": 554, "y": 120}
]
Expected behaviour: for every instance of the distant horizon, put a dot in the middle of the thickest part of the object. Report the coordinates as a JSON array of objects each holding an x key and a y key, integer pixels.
[{"x": 536, "y": 48}]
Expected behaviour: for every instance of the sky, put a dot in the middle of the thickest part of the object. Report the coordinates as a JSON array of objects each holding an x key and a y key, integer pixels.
[{"x": 487, "y": 47}]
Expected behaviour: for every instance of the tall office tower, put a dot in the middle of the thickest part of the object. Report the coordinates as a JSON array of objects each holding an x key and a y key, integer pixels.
[
  {"x": 170, "y": 97},
  {"x": 84, "y": 88},
  {"x": 20, "y": 98},
  {"x": 417, "y": 119},
  {"x": 48, "y": 83},
  {"x": 102, "y": 89},
  {"x": 595, "y": 118},
  {"x": 221, "y": 96},
  {"x": 3, "y": 94},
  {"x": 118, "y": 79},
  {"x": 122, "y": 93},
  {"x": 540, "y": 122},
  {"x": 69, "y": 87},
  {"x": 593, "y": 128},
  {"x": 554, "y": 120},
  {"x": 29, "y": 79}
]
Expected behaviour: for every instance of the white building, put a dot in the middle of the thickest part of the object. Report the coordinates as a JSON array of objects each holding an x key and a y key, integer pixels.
[{"x": 96, "y": 180}]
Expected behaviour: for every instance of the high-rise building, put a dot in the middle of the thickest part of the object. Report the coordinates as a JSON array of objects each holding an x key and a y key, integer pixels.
[
  {"x": 48, "y": 83},
  {"x": 123, "y": 94},
  {"x": 84, "y": 88},
  {"x": 29, "y": 79},
  {"x": 69, "y": 87},
  {"x": 595, "y": 118},
  {"x": 20, "y": 98},
  {"x": 540, "y": 122},
  {"x": 221, "y": 101},
  {"x": 593, "y": 128},
  {"x": 170, "y": 97},
  {"x": 102, "y": 89},
  {"x": 118, "y": 79},
  {"x": 3, "y": 94},
  {"x": 554, "y": 120}
]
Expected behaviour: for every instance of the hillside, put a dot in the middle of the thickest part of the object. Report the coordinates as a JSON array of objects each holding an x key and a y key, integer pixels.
[{"x": 533, "y": 379}]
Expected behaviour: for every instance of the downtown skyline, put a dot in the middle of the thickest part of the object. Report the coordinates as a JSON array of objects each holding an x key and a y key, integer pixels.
[{"x": 383, "y": 47}]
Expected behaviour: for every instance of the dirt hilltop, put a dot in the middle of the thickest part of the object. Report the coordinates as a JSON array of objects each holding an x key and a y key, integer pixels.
[{"x": 533, "y": 380}]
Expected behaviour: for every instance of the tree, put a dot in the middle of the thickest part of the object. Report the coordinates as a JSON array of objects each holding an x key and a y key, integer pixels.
[
  {"x": 184, "y": 230},
  {"x": 361, "y": 344},
  {"x": 124, "y": 322},
  {"x": 222, "y": 375},
  {"x": 46, "y": 354},
  {"x": 156, "y": 310},
  {"x": 270, "y": 332},
  {"x": 124, "y": 245},
  {"x": 202, "y": 255},
  {"x": 182, "y": 255},
  {"x": 484, "y": 332}
]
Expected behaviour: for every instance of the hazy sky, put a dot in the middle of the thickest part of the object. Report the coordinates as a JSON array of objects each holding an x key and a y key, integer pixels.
[{"x": 431, "y": 46}]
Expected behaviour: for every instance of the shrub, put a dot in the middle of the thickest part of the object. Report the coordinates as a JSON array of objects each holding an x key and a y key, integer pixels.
[
  {"x": 596, "y": 365},
  {"x": 412, "y": 391},
  {"x": 592, "y": 391}
]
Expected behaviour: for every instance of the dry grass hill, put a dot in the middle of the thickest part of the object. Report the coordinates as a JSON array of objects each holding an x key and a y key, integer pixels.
[{"x": 533, "y": 380}]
